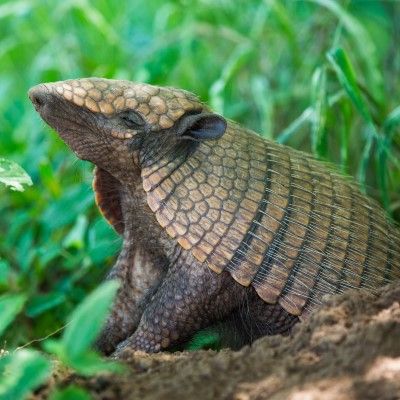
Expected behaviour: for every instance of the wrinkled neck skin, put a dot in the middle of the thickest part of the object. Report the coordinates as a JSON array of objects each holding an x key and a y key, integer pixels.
[
  {"x": 141, "y": 227},
  {"x": 142, "y": 231},
  {"x": 122, "y": 165}
]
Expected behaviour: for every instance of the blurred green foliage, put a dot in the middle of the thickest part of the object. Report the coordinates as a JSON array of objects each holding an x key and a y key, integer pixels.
[
  {"x": 13, "y": 176},
  {"x": 75, "y": 347},
  {"x": 320, "y": 75},
  {"x": 23, "y": 370}
]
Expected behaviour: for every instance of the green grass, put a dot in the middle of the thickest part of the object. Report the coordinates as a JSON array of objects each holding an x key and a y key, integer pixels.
[{"x": 320, "y": 75}]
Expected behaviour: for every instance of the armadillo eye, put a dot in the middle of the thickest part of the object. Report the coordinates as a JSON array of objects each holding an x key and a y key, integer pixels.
[{"x": 131, "y": 119}]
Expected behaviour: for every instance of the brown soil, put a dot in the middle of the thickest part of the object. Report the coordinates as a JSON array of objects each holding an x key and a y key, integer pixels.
[{"x": 350, "y": 349}]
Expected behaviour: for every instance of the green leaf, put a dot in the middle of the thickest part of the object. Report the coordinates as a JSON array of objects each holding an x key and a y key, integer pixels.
[
  {"x": 85, "y": 324},
  {"x": 10, "y": 306},
  {"x": 56, "y": 347},
  {"x": 75, "y": 237},
  {"x": 22, "y": 372},
  {"x": 87, "y": 320},
  {"x": 71, "y": 393},
  {"x": 11, "y": 174},
  {"x": 87, "y": 363}
]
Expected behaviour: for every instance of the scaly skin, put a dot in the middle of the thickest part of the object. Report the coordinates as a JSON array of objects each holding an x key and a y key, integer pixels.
[{"x": 200, "y": 201}]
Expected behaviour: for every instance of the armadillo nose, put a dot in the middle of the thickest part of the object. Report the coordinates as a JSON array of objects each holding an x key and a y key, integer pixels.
[{"x": 38, "y": 95}]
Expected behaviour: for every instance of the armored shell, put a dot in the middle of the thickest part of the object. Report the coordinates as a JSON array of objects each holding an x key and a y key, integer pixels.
[{"x": 273, "y": 217}]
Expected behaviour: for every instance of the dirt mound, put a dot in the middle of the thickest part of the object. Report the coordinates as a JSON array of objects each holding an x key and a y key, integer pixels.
[{"x": 350, "y": 349}]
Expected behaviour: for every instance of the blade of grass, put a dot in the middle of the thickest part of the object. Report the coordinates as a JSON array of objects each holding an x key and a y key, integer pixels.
[
  {"x": 238, "y": 58},
  {"x": 288, "y": 132},
  {"x": 346, "y": 76},
  {"x": 262, "y": 97},
  {"x": 286, "y": 24},
  {"x": 364, "y": 161},
  {"x": 392, "y": 121},
  {"x": 361, "y": 39},
  {"x": 319, "y": 139},
  {"x": 345, "y": 134},
  {"x": 304, "y": 117}
]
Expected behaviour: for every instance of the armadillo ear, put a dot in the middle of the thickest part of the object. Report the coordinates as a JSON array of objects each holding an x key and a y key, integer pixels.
[{"x": 201, "y": 126}]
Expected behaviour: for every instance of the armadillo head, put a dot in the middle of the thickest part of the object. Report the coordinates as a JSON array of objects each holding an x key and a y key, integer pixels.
[{"x": 120, "y": 125}]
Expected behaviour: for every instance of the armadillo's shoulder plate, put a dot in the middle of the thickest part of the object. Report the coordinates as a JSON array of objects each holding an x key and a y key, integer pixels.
[{"x": 208, "y": 203}]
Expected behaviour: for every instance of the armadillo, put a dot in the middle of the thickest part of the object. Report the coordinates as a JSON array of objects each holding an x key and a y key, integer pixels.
[{"x": 216, "y": 220}]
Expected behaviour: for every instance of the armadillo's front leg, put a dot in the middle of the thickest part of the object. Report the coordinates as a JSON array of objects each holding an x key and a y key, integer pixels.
[
  {"x": 139, "y": 276},
  {"x": 190, "y": 298}
]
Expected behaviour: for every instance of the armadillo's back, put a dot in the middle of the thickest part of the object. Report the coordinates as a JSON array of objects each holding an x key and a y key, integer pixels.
[{"x": 274, "y": 218}]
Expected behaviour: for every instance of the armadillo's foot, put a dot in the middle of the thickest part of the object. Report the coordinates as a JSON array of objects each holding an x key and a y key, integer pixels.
[
  {"x": 124, "y": 352},
  {"x": 145, "y": 341},
  {"x": 189, "y": 299},
  {"x": 139, "y": 276},
  {"x": 106, "y": 341}
]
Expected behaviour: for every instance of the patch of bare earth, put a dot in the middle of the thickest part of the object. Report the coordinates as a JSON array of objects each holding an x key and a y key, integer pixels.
[{"x": 350, "y": 349}]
